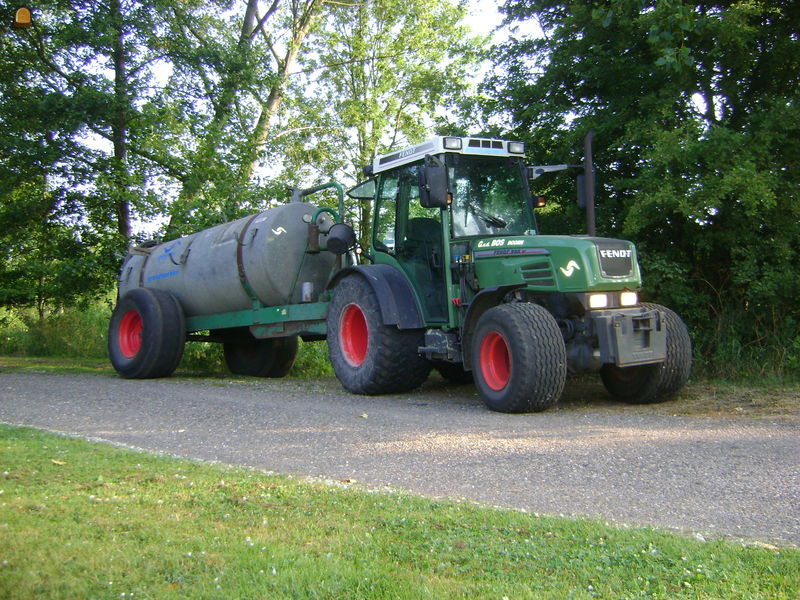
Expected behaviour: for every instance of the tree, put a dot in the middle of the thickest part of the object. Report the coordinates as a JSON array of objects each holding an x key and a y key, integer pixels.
[
  {"x": 118, "y": 111},
  {"x": 378, "y": 75},
  {"x": 69, "y": 84},
  {"x": 696, "y": 111},
  {"x": 47, "y": 261},
  {"x": 67, "y": 182},
  {"x": 227, "y": 93}
]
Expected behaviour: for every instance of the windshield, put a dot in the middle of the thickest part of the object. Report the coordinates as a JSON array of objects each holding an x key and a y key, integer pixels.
[{"x": 490, "y": 196}]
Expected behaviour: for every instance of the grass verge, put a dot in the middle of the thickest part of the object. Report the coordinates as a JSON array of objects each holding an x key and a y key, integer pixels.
[{"x": 85, "y": 520}]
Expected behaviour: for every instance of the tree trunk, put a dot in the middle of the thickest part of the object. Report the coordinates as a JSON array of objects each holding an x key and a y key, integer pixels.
[
  {"x": 269, "y": 111},
  {"x": 206, "y": 153},
  {"x": 119, "y": 125}
]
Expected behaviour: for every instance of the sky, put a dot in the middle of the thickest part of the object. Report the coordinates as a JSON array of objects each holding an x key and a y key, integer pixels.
[{"x": 484, "y": 17}]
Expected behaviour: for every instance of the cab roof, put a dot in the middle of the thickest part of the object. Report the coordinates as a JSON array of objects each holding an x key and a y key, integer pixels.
[{"x": 441, "y": 143}]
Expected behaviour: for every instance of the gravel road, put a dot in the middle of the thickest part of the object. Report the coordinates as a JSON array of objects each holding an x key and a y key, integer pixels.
[{"x": 735, "y": 478}]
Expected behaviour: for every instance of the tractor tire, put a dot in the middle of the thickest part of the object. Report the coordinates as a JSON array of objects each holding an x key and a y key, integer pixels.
[
  {"x": 518, "y": 358},
  {"x": 147, "y": 334},
  {"x": 273, "y": 357},
  {"x": 647, "y": 384},
  {"x": 369, "y": 357},
  {"x": 453, "y": 372}
]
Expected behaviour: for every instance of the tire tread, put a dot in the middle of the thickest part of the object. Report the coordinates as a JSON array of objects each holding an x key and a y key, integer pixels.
[{"x": 394, "y": 364}]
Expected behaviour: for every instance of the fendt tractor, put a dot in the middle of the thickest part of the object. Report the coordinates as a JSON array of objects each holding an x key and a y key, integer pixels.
[{"x": 458, "y": 278}]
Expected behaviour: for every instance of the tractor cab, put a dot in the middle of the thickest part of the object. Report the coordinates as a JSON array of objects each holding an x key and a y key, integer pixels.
[{"x": 463, "y": 191}]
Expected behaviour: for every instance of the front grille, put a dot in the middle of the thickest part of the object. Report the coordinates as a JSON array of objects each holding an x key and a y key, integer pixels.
[
  {"x": 616, "y": 258},
  {"x": 538, "y": 273}
]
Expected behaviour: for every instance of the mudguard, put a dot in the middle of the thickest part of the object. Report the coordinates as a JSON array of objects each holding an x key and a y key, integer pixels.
[{"x": 399, "y": 305}]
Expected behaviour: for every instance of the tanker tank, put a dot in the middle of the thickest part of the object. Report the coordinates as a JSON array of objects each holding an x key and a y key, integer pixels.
[{"x": 271, "y": 258}]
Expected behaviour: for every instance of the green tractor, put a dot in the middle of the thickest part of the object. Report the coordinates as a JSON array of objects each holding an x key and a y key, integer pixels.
[
  {"x": 459, "y": 279},
  {"x": 462, "y": 279}
]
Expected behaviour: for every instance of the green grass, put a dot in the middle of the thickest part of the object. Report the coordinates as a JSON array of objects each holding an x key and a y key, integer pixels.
[{"x": 84, "y": 520}]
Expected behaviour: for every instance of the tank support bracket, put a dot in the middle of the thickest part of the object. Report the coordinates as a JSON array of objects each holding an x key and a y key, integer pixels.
[{"x": 268, "y": 321}]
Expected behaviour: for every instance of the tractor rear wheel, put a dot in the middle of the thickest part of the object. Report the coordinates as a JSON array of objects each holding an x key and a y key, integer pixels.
[
  {"x": 647, "y": 384},
  {"x": 518, "y": 358},
  {"x": 369, "y": 357},
  {"x": 147, "y": 334},
  {"x": 273, "y": 357}
]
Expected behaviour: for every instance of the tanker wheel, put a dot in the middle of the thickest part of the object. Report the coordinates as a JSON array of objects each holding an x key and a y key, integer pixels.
[
  {"x": 369, "y": 357},
  {"x": 453, "y": 372},
  {"x": 273, "y": 357},
  {"x": 646, "y": 384},
  {"x": 518, "y": 358},
  {"x": 147, "y": 334}
]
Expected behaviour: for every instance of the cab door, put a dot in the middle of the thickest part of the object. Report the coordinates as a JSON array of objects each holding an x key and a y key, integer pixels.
[{"x": 413, "y": 236}]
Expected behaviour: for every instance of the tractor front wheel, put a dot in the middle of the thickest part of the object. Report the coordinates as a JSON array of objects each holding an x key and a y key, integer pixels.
[
  {"x": 518, "y": 358},
  {"x": 369, "y": 357},
  {"x": 453, "y": 372},
  {"x": 647, "y": 384},
  {"x": 147, "y": 334}
]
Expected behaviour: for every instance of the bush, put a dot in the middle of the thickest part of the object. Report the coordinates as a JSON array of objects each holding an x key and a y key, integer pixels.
[
  {"x": 71, "y": 333},
  {"x": 203, "y": 358},
  {"x": 312, "y": 361}
]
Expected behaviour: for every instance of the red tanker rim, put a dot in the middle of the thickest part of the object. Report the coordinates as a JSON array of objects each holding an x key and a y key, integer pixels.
[
  {"x": 354, "y": 335},
  {"x": 129, "y": 335},
  {"x": 495, "y": 361}
]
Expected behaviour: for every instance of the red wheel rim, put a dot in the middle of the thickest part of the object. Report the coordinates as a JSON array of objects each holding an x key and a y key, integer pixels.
[
  {"x": 354, "y": 335},
  {"x": 495, "y": 361},
  {"x": 130, "y": 334}
]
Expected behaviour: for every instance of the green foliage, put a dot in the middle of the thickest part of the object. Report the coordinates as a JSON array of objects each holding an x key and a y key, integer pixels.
[
  {"x": 203, "y": 358},
  {"x": 68, "y": 333},
  {"x": 207, "y": 358},
  {"x": 312, "y": 361},
  {"x": 44, "y": 262},
  {"x": 83, "y": 333},
  {"x": 377, "y": 76},
  {"x": 696, "y": 113}
]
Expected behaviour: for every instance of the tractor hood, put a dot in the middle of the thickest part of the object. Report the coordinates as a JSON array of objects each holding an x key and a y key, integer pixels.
[{"x": 557, "y": 263}]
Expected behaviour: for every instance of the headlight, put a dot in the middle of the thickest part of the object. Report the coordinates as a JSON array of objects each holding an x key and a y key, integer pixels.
[
  {"x": 452, "y": 143},
  {"x": 516, "y": 148},
  {"x": 628, "y": 299},
  {"x": 598, "y": 300}
]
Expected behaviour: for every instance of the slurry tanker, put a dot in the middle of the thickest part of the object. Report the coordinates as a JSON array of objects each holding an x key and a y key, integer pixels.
[{"x": 457, "y": 278}]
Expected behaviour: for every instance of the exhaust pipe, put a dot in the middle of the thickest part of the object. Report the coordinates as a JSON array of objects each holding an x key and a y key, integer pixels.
[{"x": 588, "y": 183}]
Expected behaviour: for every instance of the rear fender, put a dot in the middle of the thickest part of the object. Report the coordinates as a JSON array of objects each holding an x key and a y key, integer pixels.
[{"x": 399, "y": 305}]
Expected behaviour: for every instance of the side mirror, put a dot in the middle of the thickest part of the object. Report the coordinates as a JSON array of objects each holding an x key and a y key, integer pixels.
[{"x": 433, "y": 191}]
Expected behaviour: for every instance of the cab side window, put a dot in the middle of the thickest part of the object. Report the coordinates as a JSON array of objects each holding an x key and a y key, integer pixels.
[{"x": 386, "y": 218}]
